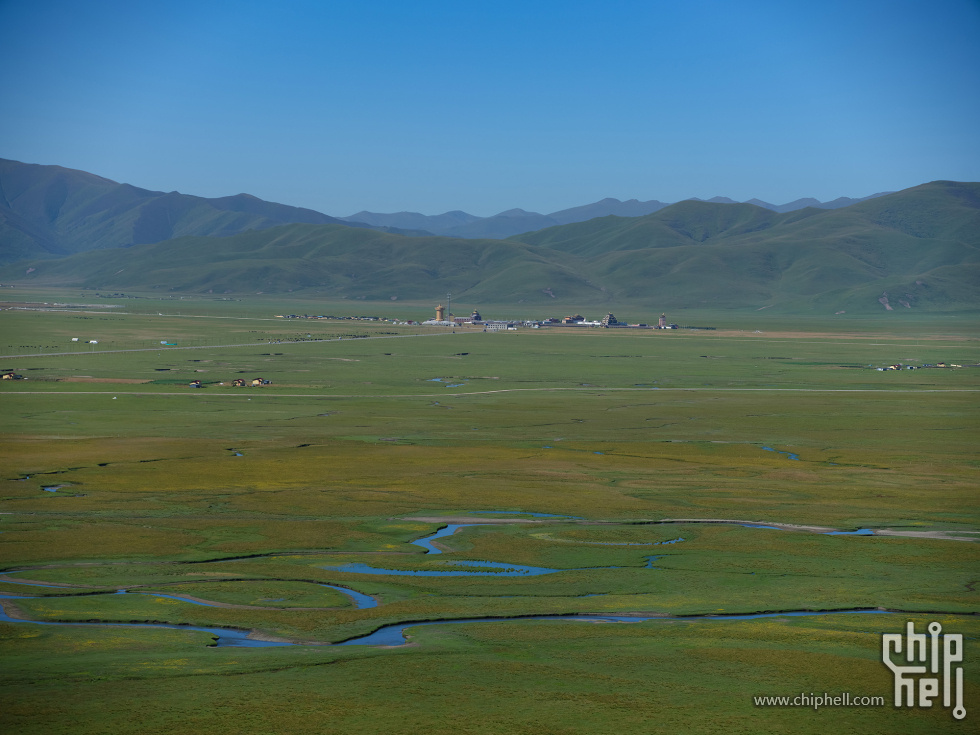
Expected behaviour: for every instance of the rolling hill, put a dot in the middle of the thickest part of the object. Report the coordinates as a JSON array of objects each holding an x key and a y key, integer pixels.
[
  {"x": 915, "y": 249},
  {"x": 518, "y": 221},
  {"x": 331, "y": 259},
  {"x": 50, "y": 211}
]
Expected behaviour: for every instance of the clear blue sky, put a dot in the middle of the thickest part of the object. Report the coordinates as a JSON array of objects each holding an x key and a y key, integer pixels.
[{"x": 436, "y": 105}]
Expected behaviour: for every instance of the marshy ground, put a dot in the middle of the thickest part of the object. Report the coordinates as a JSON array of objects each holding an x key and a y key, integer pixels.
[{"x": 251, "y": 499}]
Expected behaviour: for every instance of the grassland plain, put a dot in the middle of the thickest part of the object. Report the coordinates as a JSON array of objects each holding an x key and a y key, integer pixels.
[{"x": 253, "y": 498}]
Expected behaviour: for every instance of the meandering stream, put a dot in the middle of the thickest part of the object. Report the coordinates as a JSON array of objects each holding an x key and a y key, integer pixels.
[
  {"x": 394, "y": 635},
  {"x": 224, "y": 636}
]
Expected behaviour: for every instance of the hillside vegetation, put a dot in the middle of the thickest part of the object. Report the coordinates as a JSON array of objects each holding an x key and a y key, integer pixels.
[
  {"x": 50, "y": 211},
  {"x": 328, "y": 258},
  {"x": 913, "y": 249},
  {"x": 518, "y": 221}
]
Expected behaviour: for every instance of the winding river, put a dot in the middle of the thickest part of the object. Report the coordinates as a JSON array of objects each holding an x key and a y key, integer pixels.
[
  {"x": 394, "y": 635},
  {"x": 224, "y": 636}
]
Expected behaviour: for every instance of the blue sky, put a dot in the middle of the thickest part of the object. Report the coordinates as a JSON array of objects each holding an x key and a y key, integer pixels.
[{"x": 431, "y": 106}]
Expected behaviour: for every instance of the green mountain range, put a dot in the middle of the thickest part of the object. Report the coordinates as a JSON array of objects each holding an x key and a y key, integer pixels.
[
  {"x": 330, "y": 259},
  {"x": 518, "y": 221},
  {"x": 914, "y": 249},
  {"x": 917, "y": 247},
  {"x": 50, "y": 211}
]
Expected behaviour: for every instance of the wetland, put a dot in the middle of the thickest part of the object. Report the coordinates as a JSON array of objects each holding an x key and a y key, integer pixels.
[{"x": 500, "y": 521}]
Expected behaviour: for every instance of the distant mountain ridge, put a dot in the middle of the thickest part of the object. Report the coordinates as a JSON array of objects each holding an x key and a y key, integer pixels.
[
  {"x": 915, "y": 249},
  {"x": 50, "y": 211},
  {"x": 518, "y": 221},
  {"x": 414, "y": 220}
]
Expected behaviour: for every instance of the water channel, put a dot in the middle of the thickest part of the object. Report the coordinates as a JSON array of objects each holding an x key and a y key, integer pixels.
[
  {"x": 394, "y": 635},
  {"x": 225, "y": 637}
]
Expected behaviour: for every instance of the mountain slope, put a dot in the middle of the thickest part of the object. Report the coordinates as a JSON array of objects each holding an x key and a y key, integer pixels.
[
  {"x": 502, "y": 225},
  {"x": 685, "y": 223},
  {"x": 811, "y": 202},
  {"x": 50, "y": 211},
  {"x": 517, "y": 221},
  {"x": 332, "y": 259},
  {"x": 735, "y": 254},
  {"x": 919, "y": 248},
  {"x": 942, "y": 210},
  {"x": 435, "y": 224},
  {"x": 606, "y": 207}
]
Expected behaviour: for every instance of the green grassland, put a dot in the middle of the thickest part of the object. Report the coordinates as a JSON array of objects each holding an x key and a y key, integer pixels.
[
  {"x": 498, "y": 678},
  {"x": 253, "y": 497}
]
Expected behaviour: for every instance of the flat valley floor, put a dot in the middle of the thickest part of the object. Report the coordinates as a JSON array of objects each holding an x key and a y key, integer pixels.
[{"x": 652, "y": 482}]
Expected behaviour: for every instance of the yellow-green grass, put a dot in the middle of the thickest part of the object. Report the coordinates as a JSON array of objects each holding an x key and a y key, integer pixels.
[
  {"x": 314, "y": 487},
  {"x": 547, "y": 677},
  {"x": 405, "y": 366},
  {"x": 261, "y": 593},
  {"x": 349, "y": 446},
  {"x": 257, "y": 306},
  {"x": 397, "y": 359},
  {"x": 716, "y": 569}
]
